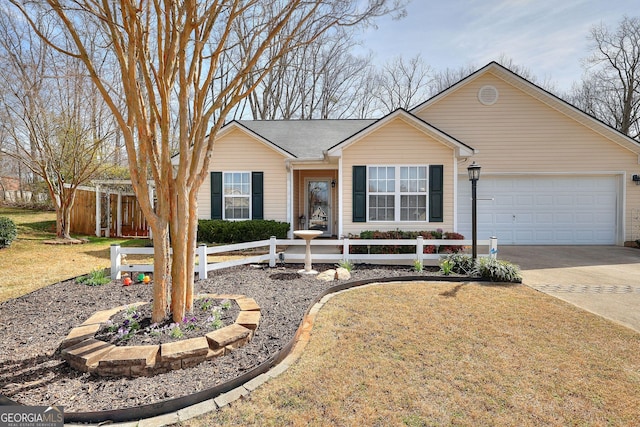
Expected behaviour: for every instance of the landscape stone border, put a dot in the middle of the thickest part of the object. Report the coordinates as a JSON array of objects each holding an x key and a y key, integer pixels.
[
  {"x": 85, "y": 353},
  {"x": 171, "y": 411}
]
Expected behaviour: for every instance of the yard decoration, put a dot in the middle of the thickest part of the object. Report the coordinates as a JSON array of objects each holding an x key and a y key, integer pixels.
[
  {"x": 146, "y": 280},
  {"x": 127, "y": 281},
  {"x": 140, "y": 277}
]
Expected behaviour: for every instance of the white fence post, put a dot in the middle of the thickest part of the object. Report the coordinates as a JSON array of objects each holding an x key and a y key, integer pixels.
[
  {"x": 115, "y": 262},
  {"x": 272, "y": 251},
  {"x": 345, "y": 248},
  {"x": 202, "y": 262},
  {"x": 420, "y": 249},
  {"x": 493, "y": 247}
]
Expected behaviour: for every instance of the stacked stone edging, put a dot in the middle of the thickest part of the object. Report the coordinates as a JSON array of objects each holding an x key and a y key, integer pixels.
[{"x": 87, "y": 354}]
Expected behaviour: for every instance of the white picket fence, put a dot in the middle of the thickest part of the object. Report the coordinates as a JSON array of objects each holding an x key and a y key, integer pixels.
[{"x": 273, "y": 256}]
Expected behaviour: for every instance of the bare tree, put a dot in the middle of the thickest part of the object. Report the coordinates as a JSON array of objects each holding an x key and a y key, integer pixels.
[
  {"x": 51, "y": 115},
  {"x": 314, "y": 81},
  {"x": 170, "y": 61},
  {"x": 443, "y": 80},
  {"x": 611, "y": 88},
  {"x": 402, "y": 83}
]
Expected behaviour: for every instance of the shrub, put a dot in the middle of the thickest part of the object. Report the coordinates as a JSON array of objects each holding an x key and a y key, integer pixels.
[
  {"x": 404, "y": 249},
  {"x": 221, "y": 231},
  {"x": 453, "y": 249},
  {"x": 460, "y": 263},
  {"x": 8, "y": 232},
  {"x": 497, "y": 270}
]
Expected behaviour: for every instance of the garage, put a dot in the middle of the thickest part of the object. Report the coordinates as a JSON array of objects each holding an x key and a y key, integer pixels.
[{"x": 543, "y": 209}]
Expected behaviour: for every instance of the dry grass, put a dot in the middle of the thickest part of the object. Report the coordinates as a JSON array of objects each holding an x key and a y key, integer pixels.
[
  {"x": 443, "y": 354},
  {"x": 408, "y": 354},
  {"x": 29, "y": 264}
]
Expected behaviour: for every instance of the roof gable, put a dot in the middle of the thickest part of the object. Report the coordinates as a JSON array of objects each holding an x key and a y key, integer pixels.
[
  {"x": 303, "y": 139},
  {"x": 541, "y": 95},
  {"x": 235, "y": 125},
  {"x": 462, "y": 150}
]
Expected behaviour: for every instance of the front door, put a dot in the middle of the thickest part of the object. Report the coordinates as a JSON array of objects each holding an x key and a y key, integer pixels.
[{"x": 319, "y": 205}]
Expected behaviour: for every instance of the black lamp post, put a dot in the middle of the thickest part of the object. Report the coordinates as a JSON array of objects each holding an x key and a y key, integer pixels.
[{"x": 474, "y": 176}]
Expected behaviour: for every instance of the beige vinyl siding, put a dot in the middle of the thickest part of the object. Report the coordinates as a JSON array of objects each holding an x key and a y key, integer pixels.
[
  {"x": 520, "y": 134},
  {"x": 238, "y": 152},
  {"x": 397, "y": 144}
]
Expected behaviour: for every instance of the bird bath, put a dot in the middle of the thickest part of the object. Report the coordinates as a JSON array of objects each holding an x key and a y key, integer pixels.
[{"x": 307, "y": 235}]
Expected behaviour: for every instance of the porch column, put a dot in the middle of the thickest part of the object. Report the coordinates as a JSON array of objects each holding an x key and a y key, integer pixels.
[
  {"x": 290, "y": 201},
  {"x": 119, "y": 215},
  {"x": 340, "y": 212},
  {"x": 107, "y": 231},
  {"x": 98, "y": 213}
]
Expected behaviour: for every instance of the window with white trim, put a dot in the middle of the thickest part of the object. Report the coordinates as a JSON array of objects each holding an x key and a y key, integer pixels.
[
  {"x": 236, "y": 192},
  {"x": 397, "y": 193}
]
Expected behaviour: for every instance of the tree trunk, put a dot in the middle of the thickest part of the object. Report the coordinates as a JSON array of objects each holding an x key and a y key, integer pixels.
[
  {"x": 179, "y": 239},
  {"x": 192, "y": 234},
  {"x": 63, "y": 216},
  {"x": 161, "y": 265}
]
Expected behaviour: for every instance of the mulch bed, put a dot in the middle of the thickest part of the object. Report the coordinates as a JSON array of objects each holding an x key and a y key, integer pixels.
[{"x": 33, "y": 373}]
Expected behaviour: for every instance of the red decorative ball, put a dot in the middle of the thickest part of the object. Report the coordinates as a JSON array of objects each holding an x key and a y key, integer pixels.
[{"x": 127, "y": 281}]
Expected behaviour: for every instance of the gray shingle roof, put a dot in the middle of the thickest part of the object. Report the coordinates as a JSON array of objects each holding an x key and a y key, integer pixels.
[{"x": 305, "y": 139}]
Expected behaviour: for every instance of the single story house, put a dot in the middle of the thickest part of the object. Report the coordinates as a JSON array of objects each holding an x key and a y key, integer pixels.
[{"x": 551, "y": 174}]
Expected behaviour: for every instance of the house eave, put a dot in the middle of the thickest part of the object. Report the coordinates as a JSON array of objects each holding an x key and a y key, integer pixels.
[{"x": 461, "y": 149}]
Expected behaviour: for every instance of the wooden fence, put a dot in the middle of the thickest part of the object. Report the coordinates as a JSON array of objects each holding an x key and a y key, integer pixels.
[
  {"x": 273, "y": 256},
  {"x": 83, "y": 215}
]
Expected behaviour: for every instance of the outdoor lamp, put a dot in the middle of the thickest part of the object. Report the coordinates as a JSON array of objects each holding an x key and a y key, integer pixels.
[
  {"x": 474, "y": 176},
  {"x": 474, "y": 171}
]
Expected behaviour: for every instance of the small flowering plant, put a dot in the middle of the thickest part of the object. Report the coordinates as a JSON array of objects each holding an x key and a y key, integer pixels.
[{"x": 209, "y": 314}]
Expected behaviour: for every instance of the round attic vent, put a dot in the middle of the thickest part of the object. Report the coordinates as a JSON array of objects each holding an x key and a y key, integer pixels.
[{"x": 488, "y": 95}]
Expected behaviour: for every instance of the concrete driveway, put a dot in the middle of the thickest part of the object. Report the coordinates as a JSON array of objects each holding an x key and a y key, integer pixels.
[{"x": 604, "y": 280}]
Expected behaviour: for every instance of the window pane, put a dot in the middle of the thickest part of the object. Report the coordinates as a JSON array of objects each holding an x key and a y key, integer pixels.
[
  {"x": 391, "y": 186},
  {"x": 413, "y": 208},
  {"x": 381, "y": 208},
  {"x": 236, "y": 207},
  {"x": 237, "y": 186}
]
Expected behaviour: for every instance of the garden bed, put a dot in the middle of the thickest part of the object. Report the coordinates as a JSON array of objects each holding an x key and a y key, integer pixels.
[{"x": 33, "y": 373}]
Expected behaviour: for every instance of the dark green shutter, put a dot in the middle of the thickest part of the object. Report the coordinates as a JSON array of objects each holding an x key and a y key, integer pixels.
[
  {"x": 436, "y": 193},
  {"x": 257, "y": 195},
  {"x": 216, "y": 195},
  {"x": 359, "y": 194}
]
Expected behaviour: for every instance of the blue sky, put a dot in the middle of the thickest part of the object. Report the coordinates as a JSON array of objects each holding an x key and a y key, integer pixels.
[{"x": 548, "y": 37}]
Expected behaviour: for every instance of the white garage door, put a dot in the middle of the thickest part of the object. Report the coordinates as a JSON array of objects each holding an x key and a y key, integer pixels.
[{"x": 542, "y": 210}]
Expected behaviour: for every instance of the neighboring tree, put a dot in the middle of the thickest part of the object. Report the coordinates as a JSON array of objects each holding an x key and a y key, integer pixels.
[
  {"x": 402, "y": 84},
  {"x": 443, "y": 80},
  {"x": 611, "y": 89},
  {"x": 51, "y": 116},
  {"x": 184, "y": 68},
  {"x": 314, "y": 81}
]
